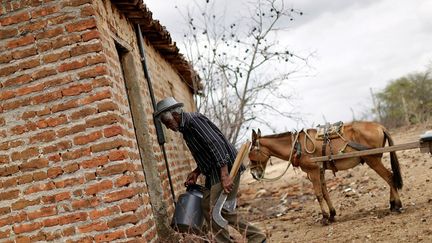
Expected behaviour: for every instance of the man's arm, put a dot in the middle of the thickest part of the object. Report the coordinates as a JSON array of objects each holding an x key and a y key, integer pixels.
[{"x": 192, "y": 177}]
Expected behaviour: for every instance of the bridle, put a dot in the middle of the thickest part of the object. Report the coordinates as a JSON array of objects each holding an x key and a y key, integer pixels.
[{"x": 294, "y": 139}]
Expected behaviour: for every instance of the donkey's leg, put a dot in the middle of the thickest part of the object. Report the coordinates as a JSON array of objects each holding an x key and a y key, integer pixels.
[
  {"x": 315, "y": 179},
  {"x": 327, "y": 196},
  {"x": 376, "y": 164}
]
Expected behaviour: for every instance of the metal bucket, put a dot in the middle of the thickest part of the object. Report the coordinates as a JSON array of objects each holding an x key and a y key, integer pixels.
[{"x": 188, "y": 216}]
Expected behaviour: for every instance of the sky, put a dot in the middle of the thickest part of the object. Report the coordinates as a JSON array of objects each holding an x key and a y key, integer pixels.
[{"x": 358, "y": 45}]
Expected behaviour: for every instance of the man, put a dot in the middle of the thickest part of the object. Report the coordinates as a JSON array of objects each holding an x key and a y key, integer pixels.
[{"x": 214, "y": 156}]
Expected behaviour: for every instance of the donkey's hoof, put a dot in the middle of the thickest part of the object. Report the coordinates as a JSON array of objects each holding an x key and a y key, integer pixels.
[
  {"x": 396, "y": 206},
  {"x": 325, "y": 221}
]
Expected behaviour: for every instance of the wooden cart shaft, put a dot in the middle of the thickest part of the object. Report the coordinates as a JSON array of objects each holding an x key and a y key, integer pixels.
[{"x": 424, "y": 147}]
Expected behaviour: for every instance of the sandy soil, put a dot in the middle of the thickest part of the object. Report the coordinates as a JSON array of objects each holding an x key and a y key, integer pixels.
[{"x": 288, "y": 211}]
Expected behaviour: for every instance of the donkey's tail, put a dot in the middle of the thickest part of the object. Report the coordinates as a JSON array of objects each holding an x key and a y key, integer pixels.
[{"x": 397, "y": 177}]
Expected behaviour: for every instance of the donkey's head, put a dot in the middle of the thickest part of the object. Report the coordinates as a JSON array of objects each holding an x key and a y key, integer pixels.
[{"x": 258, "y": 155}]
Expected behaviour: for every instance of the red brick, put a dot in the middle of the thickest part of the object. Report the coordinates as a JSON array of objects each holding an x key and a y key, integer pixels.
[
  {"x": 96, "y": 59},
  {"x": 5, "y": 234},
  {"x": 60, "y": 146},
  {"x": 29, "y": 64},
  {"x": 45, "y": 11},
  {"x": 95, "y": 162},
  {"x": 137, "y": 230},
  {"x": 7, "y": 171},
  {"x": 69, "y": 182},
  {"x": 39, "y": 175},
  {"x": 54, "y": 172},
  {"x": 7, "y": 94},
  {"x": 60, "y": 19},
  {"x": 56, "y": 197},
  {"x": 19, "y": 54},
  {"x": 14, "y": 19},
  {"x": 120, "y": 194},
  {"x": 8, "y": 195},
  {"x": 124, "y": 180},
  {"x": 53, "y": 57},
  {"x": 103, "y": 120},
  {"x": 23, "y": 79},
  {"x": 122, "y": 220},
  {"x": 50, "y": 33},
  {"x": 43, "y": 137},
  {"x": 87, "y": 111},
  {"x": 65, "y": 40},
  {"x": 8, "y": 70},
  {"x": 23, "y": 41},
  {"x": 5, "y": 210},
  {"x": 24, "y": 179},
  {"x": 5, "y": 58},
  {"x": 23, "y": 203},
  {"x": 68, "y": 231},
  {"x": 76, "y": 154},
  {"x": 45, "y": 46},
  {"x": 85, "y": 139},
  {"x": 4, "y": 159},
  {"x": 45, "y": 98},
  {"x": 12, "y": 182},
  {"x": 81, "y": 25},
  {"x": 43, "y": 212},
  {"x": 93, "y": 72},
  {"x": 13, "y": 219},
  {"x": 70, "y": 168},
  {"x": 85, "y": 203},
  {"x": 65, "y": 106},
  {"x": 71, "y": 130},
  {"x": 66, "y": 219},
  {"x": 129, "y": 206},
  {"x": 98, "y": 187},
  {"x": 7, "y": 33},
  {"x": 87, "y": 11},
  {"x": 90, "y": 35},
  {"x": 23, "y": 228},
  {"x": 25, "y": 154},
  {"x": 77, "y": 89},
  {"x": 44, "y": 72},
  {"x": 106, "y": 94},
  {"x": 94, "y": 226},
  {"x": 39, "y": 187},
  {"x": 86, "y": 48},
  {"x": 52, "y": 122},
  {"x": 71, "y": 65},
  {"x": 33, "y": 26},
  {"x": 110, "y": 236},
  {"x": 29, "y": 89},
  {"x": 34, "y": 164},
  {"x": 75, "y": 3},
  {"x": 117, "y": 143},
  {"x": 115, "y": 155}
]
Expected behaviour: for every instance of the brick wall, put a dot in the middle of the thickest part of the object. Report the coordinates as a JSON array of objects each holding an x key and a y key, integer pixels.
[{"x": 70, "y": 167}]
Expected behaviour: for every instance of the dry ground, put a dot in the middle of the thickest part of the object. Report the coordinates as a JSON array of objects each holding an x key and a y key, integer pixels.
[{"x": 288, "y": 211}]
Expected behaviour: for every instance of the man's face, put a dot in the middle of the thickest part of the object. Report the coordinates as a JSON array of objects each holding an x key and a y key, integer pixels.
[{"x": 168, "y": 120}]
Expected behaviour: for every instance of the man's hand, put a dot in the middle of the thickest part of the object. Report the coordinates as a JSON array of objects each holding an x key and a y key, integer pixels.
[
  {"x": 226, "y": 181},
  {"x": 192, "y": 178}
]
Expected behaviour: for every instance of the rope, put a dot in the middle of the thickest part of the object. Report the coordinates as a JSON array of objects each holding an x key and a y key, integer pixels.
[{"x": 289, "y": 160}]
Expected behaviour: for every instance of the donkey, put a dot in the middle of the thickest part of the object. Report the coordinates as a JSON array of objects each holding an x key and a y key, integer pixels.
[{"x": 299, "y": 147}]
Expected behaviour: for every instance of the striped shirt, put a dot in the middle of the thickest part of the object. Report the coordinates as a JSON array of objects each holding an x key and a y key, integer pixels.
[{"x": 209, "y": 147}]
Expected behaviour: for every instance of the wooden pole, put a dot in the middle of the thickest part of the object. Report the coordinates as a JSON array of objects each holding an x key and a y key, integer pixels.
[{"x": 404, "y": 146}]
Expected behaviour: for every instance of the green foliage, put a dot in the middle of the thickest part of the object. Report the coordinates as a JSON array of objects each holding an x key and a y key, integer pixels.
[{"x": 406, "y": 101}]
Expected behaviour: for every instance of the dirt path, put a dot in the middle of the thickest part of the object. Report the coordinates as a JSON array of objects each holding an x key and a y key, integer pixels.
[{"x": 288, "y": 211}]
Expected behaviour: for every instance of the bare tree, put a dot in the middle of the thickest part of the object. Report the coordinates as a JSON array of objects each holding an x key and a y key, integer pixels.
[{"x": 244, "y": 67}]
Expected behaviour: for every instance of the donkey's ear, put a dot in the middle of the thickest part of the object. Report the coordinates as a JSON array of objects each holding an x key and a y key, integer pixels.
[
  {"x": 259, "y": 132},
  {"x": 254, "y": 135}
]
